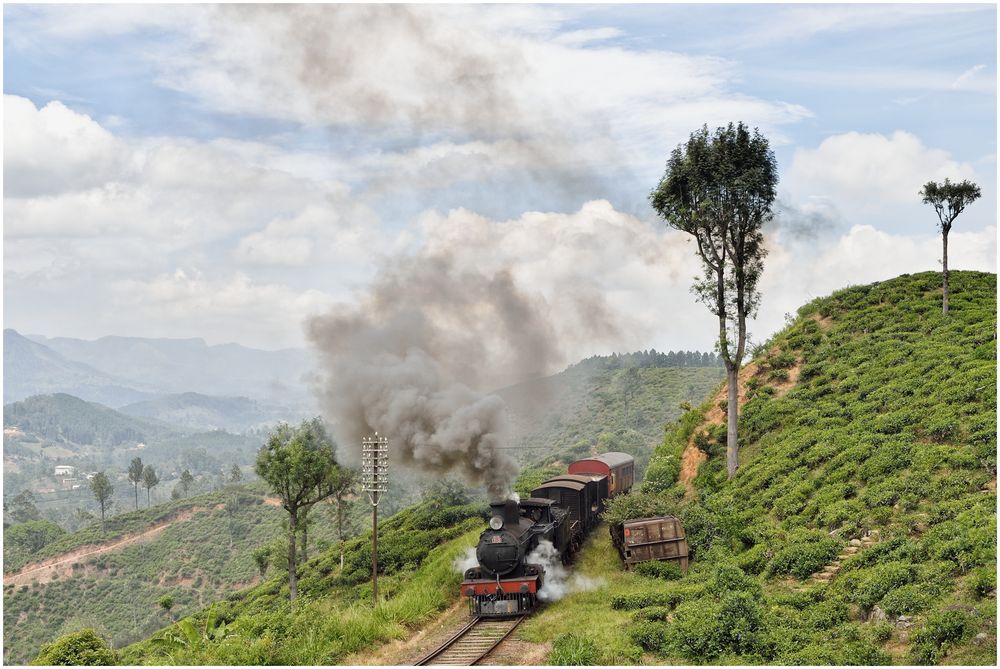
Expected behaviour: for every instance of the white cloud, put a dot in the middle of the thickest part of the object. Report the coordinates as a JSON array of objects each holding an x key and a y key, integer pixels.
[
  {"x": 588, "y": 36},
  {"x": 193, "y": 303},
  {"x": 320, "y": 232},
  {"x": 70, "y": 178},
  {"x": 40, "y": 25},
  {"x": 790, "y": 23},
  {"x": 871, "y": 168},
  {"x": 89, "y": 217},
  {"x": 459, "y": 75},
  {"x": 794, "y": 273},
  {"x": 966, "y": 77},
  {"x": 54, "y": 149}
]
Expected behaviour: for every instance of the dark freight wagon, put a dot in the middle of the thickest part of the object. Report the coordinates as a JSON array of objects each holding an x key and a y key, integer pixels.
[{"x": 645, "y": 539}]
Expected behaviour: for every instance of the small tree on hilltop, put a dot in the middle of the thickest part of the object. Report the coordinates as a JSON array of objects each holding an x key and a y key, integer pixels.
[
  {"x": 187, "y": 480},
  {"x": 149, "y": 480},
  {"x": 22, "y": 508},
  {"x": 102, "y": 489},
  {"x": 135, "y": 477},
  {"x": 298, "y": 464},
  {"x": 719, "y": 187},
  {"x": 343, "y": 484},
  {"x": 631, "y": 381},
  {"x": 261, "y": 558},
  {"x": 235, "y": 474},
  {"x": 166, "y": 603},
  {"x": 949, "y": 200}
]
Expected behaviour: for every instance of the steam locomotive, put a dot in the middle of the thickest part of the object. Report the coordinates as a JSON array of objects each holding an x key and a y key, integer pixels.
[{"x": 562, "y": 510}]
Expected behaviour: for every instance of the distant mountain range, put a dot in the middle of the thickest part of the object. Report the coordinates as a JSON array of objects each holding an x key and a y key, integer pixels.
[
  {"x": 181, "y": 381},
  {"x": 34, "y": 369},
  {"x": 190, "y": 365}
]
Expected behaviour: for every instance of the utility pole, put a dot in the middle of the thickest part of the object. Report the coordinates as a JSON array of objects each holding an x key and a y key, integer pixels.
[{"x": 374, "y": 481}]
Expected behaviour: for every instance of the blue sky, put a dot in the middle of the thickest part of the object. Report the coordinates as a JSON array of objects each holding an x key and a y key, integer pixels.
[{"x": 221, "y": 172}]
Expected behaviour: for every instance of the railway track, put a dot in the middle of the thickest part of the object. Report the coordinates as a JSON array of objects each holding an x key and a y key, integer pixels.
[{"x": 472, "y": 643}]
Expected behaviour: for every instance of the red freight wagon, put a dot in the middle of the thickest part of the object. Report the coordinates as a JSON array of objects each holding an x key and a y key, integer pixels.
[{"x": 618, "y": 467}]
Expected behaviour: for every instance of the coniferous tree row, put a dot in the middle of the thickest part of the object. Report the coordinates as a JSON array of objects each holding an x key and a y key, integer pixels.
[{"x": 652, "y": 359}]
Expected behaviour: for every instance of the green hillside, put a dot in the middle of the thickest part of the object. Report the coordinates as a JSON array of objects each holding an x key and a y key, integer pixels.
[
  {"x": 203, "y": 553},
  {"x": 333, "y": 616},
  {"x": 583, "y": 409},
  {"x": 44, "y": 431},
  {"x": 65, "y": 419},
  {"x": 861, "y": 525}
]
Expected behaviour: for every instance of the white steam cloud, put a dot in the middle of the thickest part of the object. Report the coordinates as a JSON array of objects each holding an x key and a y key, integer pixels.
[
  {"x": 557, "y": 581},
  {"x": 466, "y": 561}
]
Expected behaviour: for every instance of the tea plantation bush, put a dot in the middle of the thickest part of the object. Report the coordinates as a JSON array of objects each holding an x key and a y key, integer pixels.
[
  {"x": 83, "y": 648},
  {"x": 656, "y": 569}
]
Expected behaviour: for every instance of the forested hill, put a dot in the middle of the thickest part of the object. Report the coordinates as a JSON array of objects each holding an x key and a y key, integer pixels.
[
  {"x": 603, "y": 405},
  {"x": 651, "y": 358},
  {"x": 860, "y": 527},
  {"x": 63, "y": 418}
]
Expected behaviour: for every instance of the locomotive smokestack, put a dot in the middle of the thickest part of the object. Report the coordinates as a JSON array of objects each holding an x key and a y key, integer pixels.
[{"x": 508, "y": 510}]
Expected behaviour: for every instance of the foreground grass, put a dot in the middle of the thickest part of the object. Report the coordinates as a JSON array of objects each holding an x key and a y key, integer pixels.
[
  {"x": 588, "y": 614},
  {"x": 333, "y": 617}
]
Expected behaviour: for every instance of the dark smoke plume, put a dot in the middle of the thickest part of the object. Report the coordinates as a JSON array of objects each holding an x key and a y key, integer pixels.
[
  {"x": 412, "y": 359},
  {"x": 805, "y": 223}
]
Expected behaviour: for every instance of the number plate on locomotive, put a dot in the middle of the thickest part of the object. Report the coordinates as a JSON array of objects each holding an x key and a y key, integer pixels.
[{"x": 496, "y": 540}]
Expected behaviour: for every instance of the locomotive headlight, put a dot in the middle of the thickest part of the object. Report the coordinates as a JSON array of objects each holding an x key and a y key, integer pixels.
[{"x": 496, "y": 523}]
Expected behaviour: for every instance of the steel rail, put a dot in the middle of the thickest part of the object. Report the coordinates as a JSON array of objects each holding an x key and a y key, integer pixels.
[{"x": 478, "y": 648}]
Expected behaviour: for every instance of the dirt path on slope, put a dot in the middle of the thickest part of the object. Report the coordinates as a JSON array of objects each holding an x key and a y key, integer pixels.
[
  {"x": 692, "y": 457},
  {"x": 61, "y": 566}
]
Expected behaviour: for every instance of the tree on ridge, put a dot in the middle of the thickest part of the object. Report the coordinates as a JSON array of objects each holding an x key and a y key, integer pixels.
[
  {"x": 719, "y": 187},
  {"x": 949, "y": 200},
  {"x": 149, "y": 481},
  {"x": 343, "y": 484},
  {"x": 187, "y": 480},
  {"x": 135, "y": 476},
  {"x": 102, "y": 489},
  {"x": 298, "y": 464}
]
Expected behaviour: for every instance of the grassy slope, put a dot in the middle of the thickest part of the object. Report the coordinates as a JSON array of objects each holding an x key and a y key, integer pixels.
[
  {"x": 117, "y": 527},
  {"x": 195, "y": 561},
  {"x": 333, "y": 616},
  {"x": 891, "y": 427}
]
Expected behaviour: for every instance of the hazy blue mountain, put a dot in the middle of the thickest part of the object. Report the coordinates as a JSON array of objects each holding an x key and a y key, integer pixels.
[
  {"x": 204, "y": 412},
  {"x": 31, "y": 368},
  {"x": 191, "y": 365}
]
